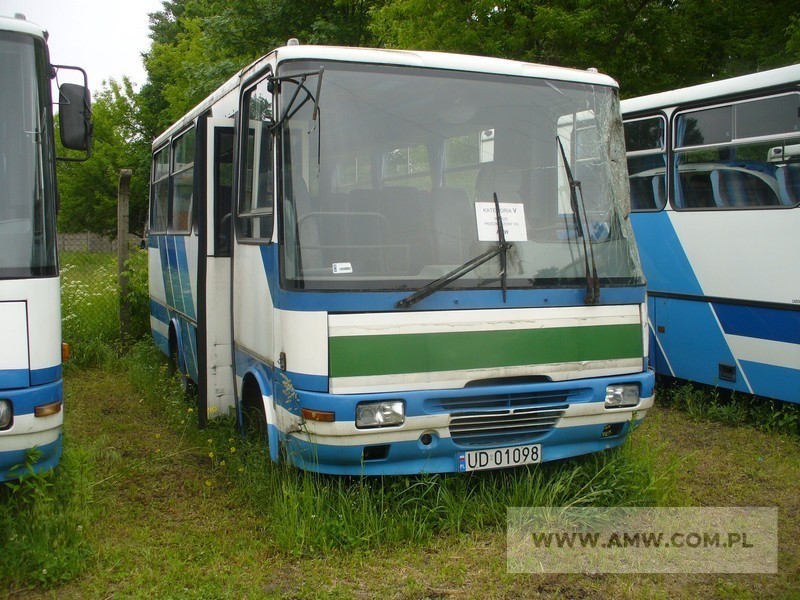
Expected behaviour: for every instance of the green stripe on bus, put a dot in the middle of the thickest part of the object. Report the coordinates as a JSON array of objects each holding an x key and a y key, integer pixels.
[{"x": 369, "y": 355}]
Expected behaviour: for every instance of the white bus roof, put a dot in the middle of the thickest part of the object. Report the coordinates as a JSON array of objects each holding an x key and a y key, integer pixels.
[
  {"x": 705, "y": 91},
  {"x": 22, "y": 26},
  {"x": 411, "y": 58},
  {"x": 441, "y": 60}
]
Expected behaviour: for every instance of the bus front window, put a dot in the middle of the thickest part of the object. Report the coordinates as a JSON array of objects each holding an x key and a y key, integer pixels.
[
  {"x": 27, "y": 190},
  {"x": 394, "y": 187}
]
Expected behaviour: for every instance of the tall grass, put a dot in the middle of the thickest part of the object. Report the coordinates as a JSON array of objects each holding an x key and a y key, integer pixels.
[
  {"x": 43, "y": 518},
  {"x": 704, "y": 402}
]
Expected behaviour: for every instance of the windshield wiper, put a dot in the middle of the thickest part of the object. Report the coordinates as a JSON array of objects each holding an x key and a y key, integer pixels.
[
  {"x": 592, "y": 281},
  {"x": 501, "y": 249}
]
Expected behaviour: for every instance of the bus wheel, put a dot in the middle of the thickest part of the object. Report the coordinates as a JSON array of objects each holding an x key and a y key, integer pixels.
[{"x": 254, "y": 419}]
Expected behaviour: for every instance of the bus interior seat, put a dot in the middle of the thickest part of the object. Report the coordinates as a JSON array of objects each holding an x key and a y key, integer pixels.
[
  {"x": 789, "y": 184},
  {"x": 453, "y": 223},
  {"x": 408, "y": 245},
  {"x": 659, "y": 190},
  {"x": 503, "y": 180},
  {"x": 740, "y": 189},
  {"x": 696, "y": 190}
]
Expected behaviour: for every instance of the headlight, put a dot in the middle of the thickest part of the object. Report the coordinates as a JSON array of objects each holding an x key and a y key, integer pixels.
[
  {"x": 6, "y": 414},
  {"x": 380, "y": 414},
  {"x": 625, "y": 394}
]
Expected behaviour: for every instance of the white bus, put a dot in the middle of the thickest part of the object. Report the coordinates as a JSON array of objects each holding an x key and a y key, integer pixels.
[
  {"x": 31, "y": 397},
  {"x": 380, "y": 260},
  {"x": 715, "y": 189}
]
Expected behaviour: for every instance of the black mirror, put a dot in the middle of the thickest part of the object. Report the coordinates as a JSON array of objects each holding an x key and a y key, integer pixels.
[{"x": 74, "y": 113}]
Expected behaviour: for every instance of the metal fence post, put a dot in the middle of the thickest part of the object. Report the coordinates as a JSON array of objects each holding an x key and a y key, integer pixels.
[{"x": 122, "y": 252}]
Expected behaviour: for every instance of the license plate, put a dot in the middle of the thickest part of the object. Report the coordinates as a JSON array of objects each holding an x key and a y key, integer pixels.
[{"x": 514, "y": 456}]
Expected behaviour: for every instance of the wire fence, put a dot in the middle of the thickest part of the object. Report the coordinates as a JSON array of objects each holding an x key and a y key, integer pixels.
[{"x": 90, "y": 292}]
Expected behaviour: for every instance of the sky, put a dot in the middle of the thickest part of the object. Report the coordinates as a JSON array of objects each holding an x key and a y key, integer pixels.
[{"x": 104, "y": 37}]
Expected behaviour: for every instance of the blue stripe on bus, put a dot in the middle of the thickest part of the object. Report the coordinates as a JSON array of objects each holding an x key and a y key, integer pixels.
[
  {"x": 46, "y": 375},
  {"x": 445, "y": 299},
  {"x": 50, "y": 455},
  {"x": 21, "y": 378},
  {"x": 175, "y": 273},
  {"x": 184, "y": 277},
  {"x": 14, "y": 378},
  {"x": 760, "y": 322},
  {"x": 159, "y": 311},
  {"x": 773, "y": 381},
  {"x": 693, "y": 342},
  {"x": 664, "y": 261}
]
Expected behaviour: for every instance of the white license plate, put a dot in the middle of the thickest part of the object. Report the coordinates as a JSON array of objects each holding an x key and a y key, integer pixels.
[{"x": 514, "y": 456}]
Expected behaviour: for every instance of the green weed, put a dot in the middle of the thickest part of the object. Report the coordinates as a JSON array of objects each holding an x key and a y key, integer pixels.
[
  {"x": 42, "y": 521},
  {"x": 703, "y": 402}
]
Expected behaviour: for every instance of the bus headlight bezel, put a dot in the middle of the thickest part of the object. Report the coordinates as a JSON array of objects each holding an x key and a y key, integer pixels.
[
  {"x": 622, "y": 395},
  {"x": 6, "y": 414},
  {"x": 384, "y": 413}
]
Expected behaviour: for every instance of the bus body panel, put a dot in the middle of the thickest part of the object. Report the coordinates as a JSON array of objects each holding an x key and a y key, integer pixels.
[
  {"x": 722, "y": 277},
  {"x": 30, "y": 372}
]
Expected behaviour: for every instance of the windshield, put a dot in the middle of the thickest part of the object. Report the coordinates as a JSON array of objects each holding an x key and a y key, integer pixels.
[
  {"x": 27, "y": 190},
  {"x": 393, "y": 186}
]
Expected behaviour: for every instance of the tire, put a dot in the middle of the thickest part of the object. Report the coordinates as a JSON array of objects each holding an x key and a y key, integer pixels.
[{"x": 254, "y": 419}]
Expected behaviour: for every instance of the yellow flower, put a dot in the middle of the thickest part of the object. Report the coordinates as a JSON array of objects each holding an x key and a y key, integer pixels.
[
  {"x": 210, "y": 455},
  {"x": 233, "y": 450}
]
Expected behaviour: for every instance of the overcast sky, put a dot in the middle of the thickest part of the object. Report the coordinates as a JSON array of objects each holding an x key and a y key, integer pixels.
[{"x": 104, "y": 37}]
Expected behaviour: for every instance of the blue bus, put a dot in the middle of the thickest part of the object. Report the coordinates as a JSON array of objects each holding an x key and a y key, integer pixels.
[
  {"x": 392, "y": 262},
  {"x": 31, "y": 396},
  {"x": 715, "y": 188}
]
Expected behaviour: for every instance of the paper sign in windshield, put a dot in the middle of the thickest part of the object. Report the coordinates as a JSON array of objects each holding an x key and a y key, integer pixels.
[{"x": 513, "y": 216}]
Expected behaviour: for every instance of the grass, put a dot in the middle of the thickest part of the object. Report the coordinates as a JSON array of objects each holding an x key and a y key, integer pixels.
[{"x": 707, "y": 403}]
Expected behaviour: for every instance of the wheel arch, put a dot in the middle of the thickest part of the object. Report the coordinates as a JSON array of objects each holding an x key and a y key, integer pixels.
[{"x": 258, "y": 388}]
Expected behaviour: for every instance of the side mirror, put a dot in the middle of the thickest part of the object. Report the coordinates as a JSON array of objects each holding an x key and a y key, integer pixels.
[
  {"x": 74, "y": 113},
  {"x": 75, "y": 116}
]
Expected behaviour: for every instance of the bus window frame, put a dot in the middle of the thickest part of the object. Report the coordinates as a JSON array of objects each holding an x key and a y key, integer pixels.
[
  {"x": 173, "y": 172},
  {"x": 240, "y": 162},
  {"x": 664, "y": 150},
  {"x": 166, "y": 147},
  {"x": 674, "y": 149}
]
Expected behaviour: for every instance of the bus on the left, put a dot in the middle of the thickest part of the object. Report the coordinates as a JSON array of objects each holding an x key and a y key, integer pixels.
[{"x": 31, "y": 389}]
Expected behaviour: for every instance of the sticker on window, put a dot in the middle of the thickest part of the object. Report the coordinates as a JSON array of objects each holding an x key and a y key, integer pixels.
[
  {"x": 512, "y": 215},
  {"x": 339, "y": 268}
]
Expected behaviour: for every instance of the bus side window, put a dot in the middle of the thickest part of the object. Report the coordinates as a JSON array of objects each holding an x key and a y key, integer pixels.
[
  {"x": 256, "y": 196},
  {"x": 160, "y": 191},
  {"x": 182, "y": 182}
]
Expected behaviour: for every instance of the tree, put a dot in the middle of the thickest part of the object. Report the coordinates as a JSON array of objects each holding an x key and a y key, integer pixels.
[
  {"x": 647, "y": 45},
  {"x": 88, "y": 189}
]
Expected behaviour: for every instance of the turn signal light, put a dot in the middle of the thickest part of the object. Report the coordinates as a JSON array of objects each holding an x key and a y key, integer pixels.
[
  {"x": 64, "y": 352},
  {"x": 325, "y": 416},
  {"x": 45, "y": 410}
]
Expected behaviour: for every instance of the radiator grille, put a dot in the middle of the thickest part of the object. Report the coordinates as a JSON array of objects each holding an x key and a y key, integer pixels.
[{"x": 509, "y": 426}]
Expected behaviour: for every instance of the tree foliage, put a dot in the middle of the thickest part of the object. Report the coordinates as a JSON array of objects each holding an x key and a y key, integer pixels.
[
  {"x": 88, "y": 189},
  {"x": 647, "y": 45}
]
